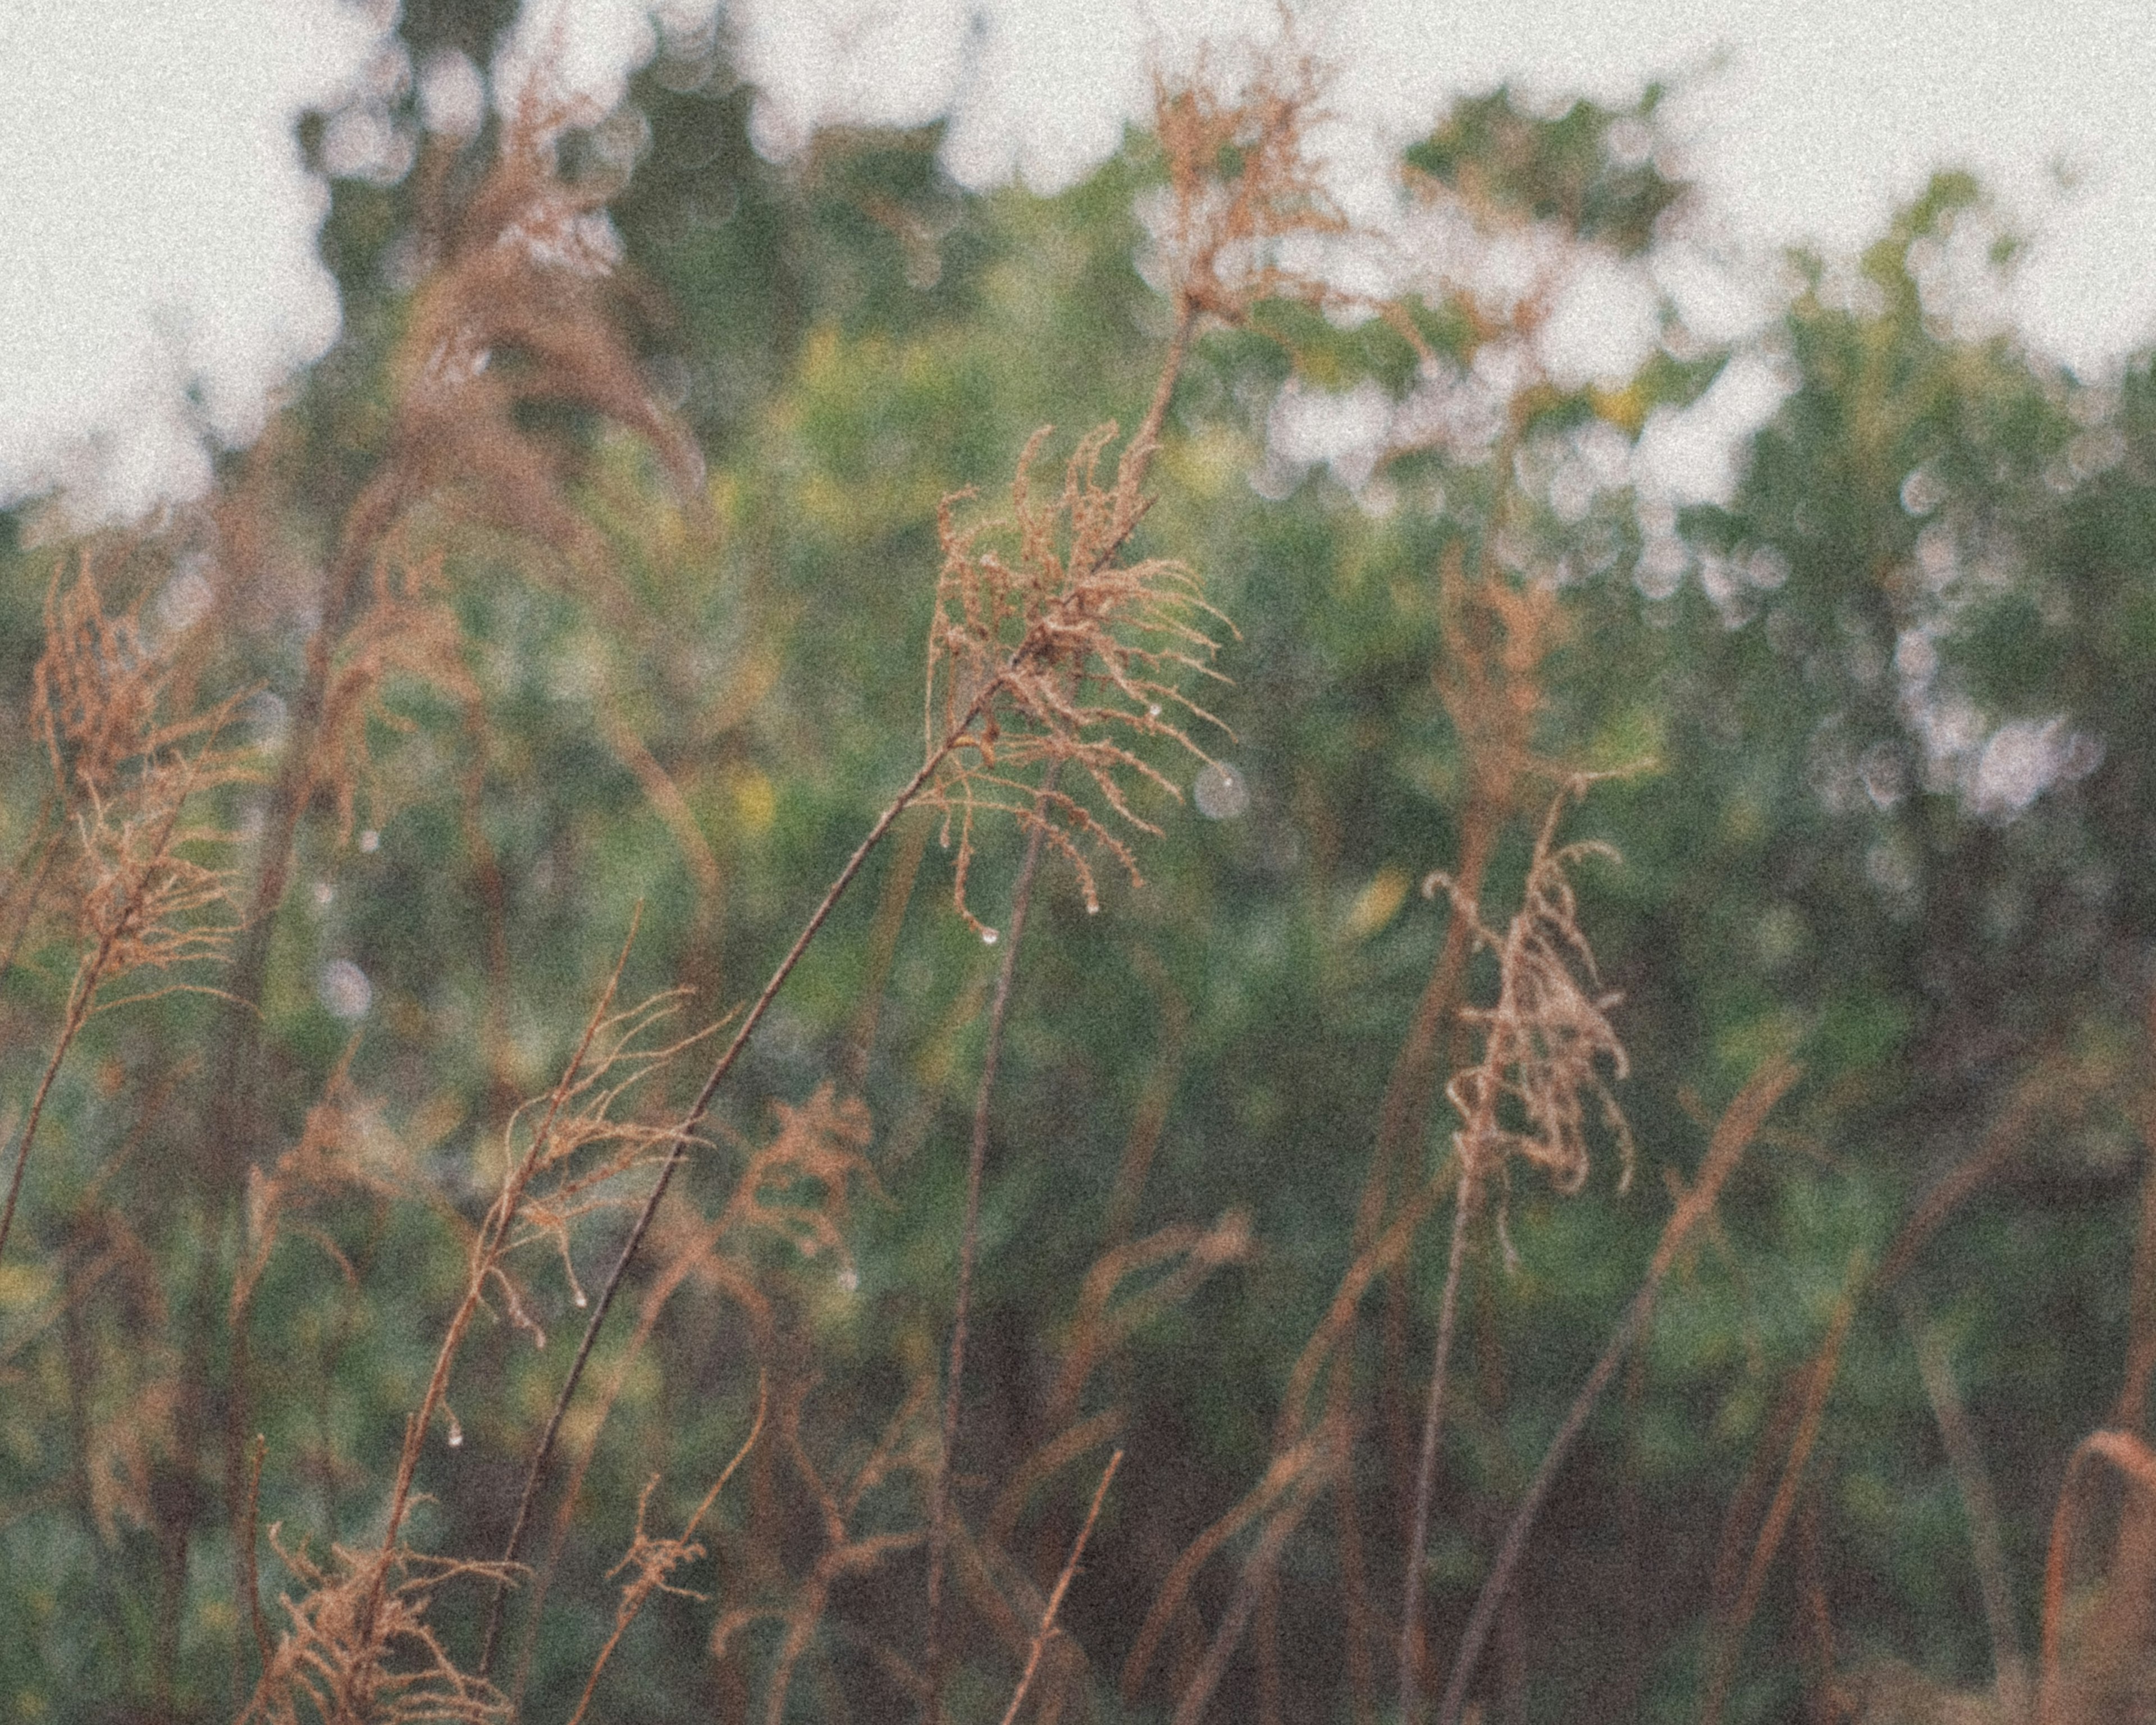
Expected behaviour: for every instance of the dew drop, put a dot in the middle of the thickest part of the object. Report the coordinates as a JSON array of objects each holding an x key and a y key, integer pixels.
[{"x": 989, "y": 936}]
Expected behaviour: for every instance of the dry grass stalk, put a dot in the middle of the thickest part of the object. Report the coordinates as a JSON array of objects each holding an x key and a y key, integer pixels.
[
  {"x": 1260, "y": 1564},
  {"x": 1068, "y": 640},
  {"x": 1525, "y": 1097},
  {"x": 2109, "y": 1667},
  {"x": 2009, "y": 1670},
  {"x": 907, "y": 1448},
  {"x": 1047, "y": 1629},
  {"x": 523, "y": 307},
  {"x": 954, "y": 1371},
  {"x": 1241, "y": 181},
  {"x": 1083, "y": 621},
  {"x": 1497, "y": 637},
  {"x": 408, "y": 630},
  {"x": 1102, "y": 1323},
  {"x": 1810, "y": 1410},
  {"x": 653, "y": 1560},
  {"x": 359, "y": 1651},
  {"x": 1545, "y": 1037},
  {"x": 1064, "y": 654},
  {"x": 518, "y": 311},
  {"x": 2057, "y": 1089},
  {"x": 344, "y": 1148},
  {"x": 143, "y": 897},
  {"x": 355, "y": 1614},
  {"x": 1286, "y": 1480}
]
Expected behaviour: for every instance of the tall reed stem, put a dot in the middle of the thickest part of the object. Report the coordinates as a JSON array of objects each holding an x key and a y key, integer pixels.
[
  {"x": 1433, "y": 1421},
  {"x": 939, "y": 1505}
]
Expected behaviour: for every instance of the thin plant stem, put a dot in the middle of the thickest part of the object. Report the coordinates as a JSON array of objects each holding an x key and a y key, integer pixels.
[
  {"x": 1047, "y": 1630},
  {"x": 1433, "y": 1421},
  {"x": 493, "y": 1240},
  {"x": 1315, "y": 1453},
  {"x": 79, "y": 997},
  {"x": 250, "y": 1565},
  {"x": 939, "y": 1503},
  {"x": 1819, "y": 1381},
  {"x": 2136, "y": 1464}
]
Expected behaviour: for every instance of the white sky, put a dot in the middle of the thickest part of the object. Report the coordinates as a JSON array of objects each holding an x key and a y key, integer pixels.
[{"x": 160, "y": 280}]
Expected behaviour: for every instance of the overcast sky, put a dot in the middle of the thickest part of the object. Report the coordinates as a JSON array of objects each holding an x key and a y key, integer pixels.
[{"x": 162, "y": 282}]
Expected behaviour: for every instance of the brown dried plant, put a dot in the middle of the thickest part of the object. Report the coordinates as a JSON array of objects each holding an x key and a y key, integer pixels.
[
  {"x": 1074, "y": 654},
  {"x": 360, "y": 1609},
  {"x": 580, "y": 1146},
  {"x": 818, "y": 1149},
  {"x": 1044, "y": 1636},
  {"x": 1240, "y": 181},
  {"x": 2059, "y": 1089},
  {"x": 905, "y": 1449},
  {"x": 1053, "y": 653},
  {"x": 1498, "y": 635},
  {"x": 1116, "y": 636},
  {"x": 1545, "y": 1037},
  {"x": 1059, "y": 658},
  {"x": 146, "y": 889},
  {"x": 1527, "y": 1096},
  {"x": 344, "y": 1148},
  {"x": 358, "y": 1649},
  {"x": 653, "y": 1560},
  {"x": 2095, "y": 1642},
  {"x": 409, "y": 630},
  {"x": 522, "y": 307}
]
